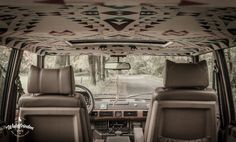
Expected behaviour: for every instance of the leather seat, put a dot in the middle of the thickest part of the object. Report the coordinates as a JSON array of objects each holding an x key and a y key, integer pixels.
[
  {"x": 184, "y": 110},
  {"x": 53, "y": 109}
]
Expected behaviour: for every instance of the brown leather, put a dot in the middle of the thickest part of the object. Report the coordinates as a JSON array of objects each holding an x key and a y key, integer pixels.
[
  {"x": 184, "y": 111},
  {"x": 186, "y": 75},
  {"x": 186, "y": 120},
  {"x": 53, "y": 109},
  {"x": 51, "y": 81},
  {"x": 185, "y": 94},
  {"x": 56, "y": 124},
  {"x": 48, "y": 100},
  {"x": 118, "y": 139}
]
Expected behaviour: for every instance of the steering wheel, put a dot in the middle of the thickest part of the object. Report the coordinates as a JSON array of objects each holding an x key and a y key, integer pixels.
[{"x": 88, "y": 96}]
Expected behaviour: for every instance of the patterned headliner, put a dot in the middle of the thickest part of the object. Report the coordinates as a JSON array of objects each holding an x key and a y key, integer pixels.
[{"x": 47, "y": 28}]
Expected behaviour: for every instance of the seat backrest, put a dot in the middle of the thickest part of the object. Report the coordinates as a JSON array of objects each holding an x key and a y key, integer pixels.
[
  {"x": 53, "y": 109},
  {"x": 184, "y": 109}
]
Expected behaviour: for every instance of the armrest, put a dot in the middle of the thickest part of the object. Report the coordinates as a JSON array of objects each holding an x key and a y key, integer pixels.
[
  {"x": 138, "y": 135},
  {"x": 99, "y": 140},
  {"x": 118, "y": 139}
]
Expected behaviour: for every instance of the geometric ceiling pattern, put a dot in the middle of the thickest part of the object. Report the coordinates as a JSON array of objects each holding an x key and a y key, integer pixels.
[{"x": 60, "y": 27}]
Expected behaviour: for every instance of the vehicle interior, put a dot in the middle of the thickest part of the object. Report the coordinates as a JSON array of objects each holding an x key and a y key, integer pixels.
[{"x": 117, "y": 71}]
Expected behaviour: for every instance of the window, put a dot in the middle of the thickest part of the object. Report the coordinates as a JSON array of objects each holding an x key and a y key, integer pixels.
[
  {"x": 140, "y": 81},
  {"x": 56, "y": 61},
  {"x": 230, "y": 55},
  {"x": 27, "y": 60},
  {"x": 210, "y": 63},
  {"x": 4, "y": 59}
]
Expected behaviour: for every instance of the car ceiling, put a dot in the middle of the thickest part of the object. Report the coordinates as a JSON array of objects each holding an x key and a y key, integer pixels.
[{"x": 151, "y": 27}]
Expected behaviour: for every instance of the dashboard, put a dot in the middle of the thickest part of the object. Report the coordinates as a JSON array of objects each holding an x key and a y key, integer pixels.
[{"x": 110, "y": 118}]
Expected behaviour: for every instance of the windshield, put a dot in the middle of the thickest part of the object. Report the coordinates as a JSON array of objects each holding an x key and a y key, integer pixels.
[{"x": 140, "y": 81}]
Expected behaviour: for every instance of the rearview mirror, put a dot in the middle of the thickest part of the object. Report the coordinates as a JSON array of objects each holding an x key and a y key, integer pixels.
[{"x": 117, "y": 66}]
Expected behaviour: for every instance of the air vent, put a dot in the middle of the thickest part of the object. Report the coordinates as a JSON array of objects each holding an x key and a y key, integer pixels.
[
  {"x": 94, "y": 114},
  {"x": 106, "y": 114},
  {"x": 145, "y": 113},
  {"x": 130, "y": 113}
]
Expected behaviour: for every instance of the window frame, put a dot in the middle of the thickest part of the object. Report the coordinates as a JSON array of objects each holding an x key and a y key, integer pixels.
[
  {"x": 3, "y": 101},
  {"x": 10, "y": 89},
  {"x": 226, "y": 86},
  {"x": 231, "y": 101}
]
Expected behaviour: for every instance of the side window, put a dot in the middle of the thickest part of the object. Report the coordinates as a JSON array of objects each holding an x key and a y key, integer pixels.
[
  {"x": 210, "y": 63},
  {"x": 56, "y": 61},
  {"x": 230, "y": 55},
  {"x": 27, "y": 60},
  {"x": 4, "y": 60}
]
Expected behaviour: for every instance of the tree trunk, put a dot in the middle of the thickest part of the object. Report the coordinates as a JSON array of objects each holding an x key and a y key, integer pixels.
[
  {"x": 92, "y": 69},
  {"x": 61, "y": 61},
  {"x": 230, "y": 65},
  {"x": 1, "y": 81},
  {"x": 99, "y": 67},
  {"x": 103, "y": 74},
  {"x": 230, "y": 62}
]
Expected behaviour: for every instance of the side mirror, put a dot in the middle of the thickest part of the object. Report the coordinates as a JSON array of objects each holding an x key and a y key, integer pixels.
[{"x": 117, "y": 66}]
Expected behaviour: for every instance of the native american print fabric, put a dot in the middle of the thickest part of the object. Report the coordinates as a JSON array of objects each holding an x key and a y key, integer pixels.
[{"x": 52, "y": 26}]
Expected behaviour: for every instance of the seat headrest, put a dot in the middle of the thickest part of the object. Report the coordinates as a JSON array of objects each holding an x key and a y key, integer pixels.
[
  {"x": 186, "y": 75},
  {"x": 51, "y": 81}
]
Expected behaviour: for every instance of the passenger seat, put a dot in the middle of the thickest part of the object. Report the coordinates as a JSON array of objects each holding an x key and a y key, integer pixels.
[{"x": 184, "y": 110}]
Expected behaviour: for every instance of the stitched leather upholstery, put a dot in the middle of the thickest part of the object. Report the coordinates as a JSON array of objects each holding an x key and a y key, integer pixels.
[
  {"x": 184, "y": 109},
  {"x": 51, "y": 81},
  {"x": 53, "y": 109},
  {"x": 182, "y": 75}
]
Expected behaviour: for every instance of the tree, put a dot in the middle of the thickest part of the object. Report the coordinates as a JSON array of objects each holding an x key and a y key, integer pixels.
[
  {"x": 103, "y": 71},
  {"x": 61, "y": 61},
  {"x": 1, "y": 81},
  {"x": 92, "y": 69},
  {"x": 99, "y": 68}
]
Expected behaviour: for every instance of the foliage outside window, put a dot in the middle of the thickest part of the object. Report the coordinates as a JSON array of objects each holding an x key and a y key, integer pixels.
[
  {"x": 230, "y": 55},
  {"x": 210, "y": 64},
  {"x": 89, "y": 70},
  {"x": 4, "y": 59},
  {"x": 27, "y": 60}
]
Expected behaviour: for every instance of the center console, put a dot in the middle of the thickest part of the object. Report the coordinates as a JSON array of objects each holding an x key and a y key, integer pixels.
[
  {"x": 110, "y": 120},
  {"x": 118, "y": 139},
  {"x": 110, "y": 127}
]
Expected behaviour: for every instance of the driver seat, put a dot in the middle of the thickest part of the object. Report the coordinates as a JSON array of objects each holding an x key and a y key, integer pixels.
[{"x": 53, "y": 109}]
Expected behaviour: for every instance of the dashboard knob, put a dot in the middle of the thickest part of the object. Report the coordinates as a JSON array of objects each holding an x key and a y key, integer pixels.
[{"x": 118, "y": 114}]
